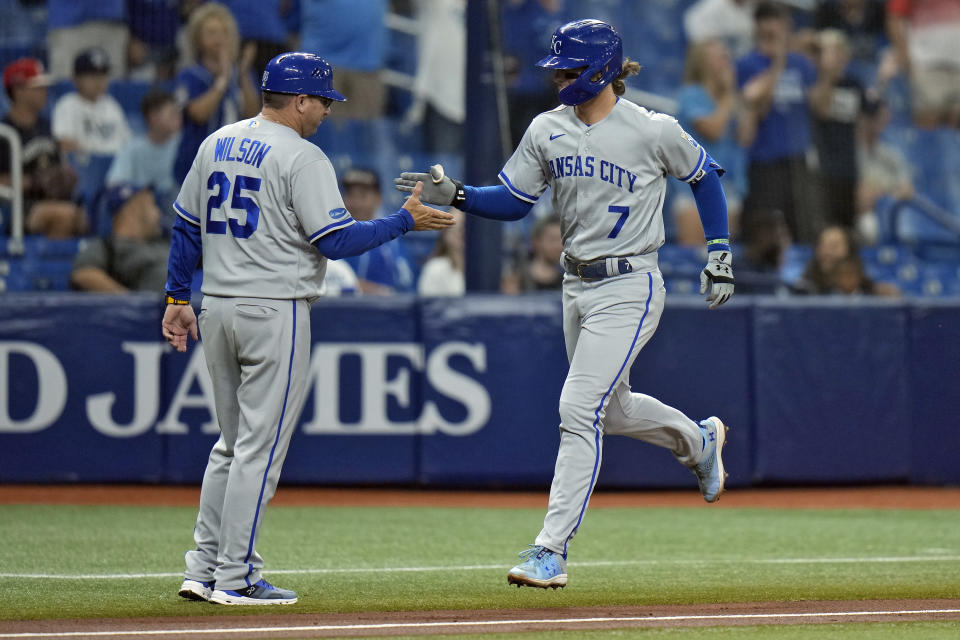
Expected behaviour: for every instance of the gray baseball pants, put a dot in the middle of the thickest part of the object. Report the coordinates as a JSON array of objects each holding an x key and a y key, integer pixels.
[
  {"x": 258, "y": 355},
  {"x": 605, "y": 324}
]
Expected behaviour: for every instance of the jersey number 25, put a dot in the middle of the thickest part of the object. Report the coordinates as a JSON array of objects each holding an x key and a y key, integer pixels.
[{"x": 221, "y": 182}]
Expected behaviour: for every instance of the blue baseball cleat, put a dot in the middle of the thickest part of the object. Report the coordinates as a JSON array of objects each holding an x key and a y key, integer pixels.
[
  {"x": 541, "y": 568},
  {"x": 260, "y": 593},
  {"x": 709, "y": 471},
  {"x": 195, "y": 590}
]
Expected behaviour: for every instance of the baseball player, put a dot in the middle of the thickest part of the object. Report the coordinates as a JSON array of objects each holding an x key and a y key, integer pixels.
[
  {"x": 605, "y": 160},
  {"x": 261, "y": 205}
]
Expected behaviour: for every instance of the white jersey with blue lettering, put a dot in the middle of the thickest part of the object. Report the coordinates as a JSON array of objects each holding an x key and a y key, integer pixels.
[
  {"x": 261, "y": 195},
  {"x": 608, "y": 179}
]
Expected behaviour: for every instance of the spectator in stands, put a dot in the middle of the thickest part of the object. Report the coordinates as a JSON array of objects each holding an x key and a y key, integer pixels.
[
  {"x": 762, "y": 258},
  {"x": 836, "y": 101},
  {"x": 443, "y": 272},
  {"x": 439, "y": 87},
  {"x": 262, "y": 24},
  {"x": 134, "y": 256},
  {"x": 47, "y": 181},
  {"x": 148, "y": 159},
  {"x": 89, "y": 120},
  {"x": 384, "y": 269},
  {"x": 836, "y": 267},
  {"x": 152, "y": 51},
  {"x": 864, "y": 24},
  {"x": 775, "y": 126},
  {"x": 218, "y": 89},
  {"x": 543, "y": 270},
  {"x": 74, "y": 27},
  {"x": 884, "y": 171},
  {"x": 530, "y": 91},
  {"x": 352, "y": 36},
  {"x": 848, "y": 277},
  {"x": 708, "y": 107},
  {"x": 925, "y": 35},
  {"x": 727, "y": 20}
]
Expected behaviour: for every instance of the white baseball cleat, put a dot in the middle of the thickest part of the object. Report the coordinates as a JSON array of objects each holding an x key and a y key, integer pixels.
[
  {"x": 195, "y": 590},
  {"x": 542, "y": 568},
  {"x": 709, "y": 471}
]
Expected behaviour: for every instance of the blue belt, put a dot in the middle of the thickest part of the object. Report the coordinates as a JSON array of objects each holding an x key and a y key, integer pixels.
[{"x": 596, "y": 270}]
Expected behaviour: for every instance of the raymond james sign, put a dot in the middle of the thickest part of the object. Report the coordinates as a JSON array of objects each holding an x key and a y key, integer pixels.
[{"x": 377, "y": 385}]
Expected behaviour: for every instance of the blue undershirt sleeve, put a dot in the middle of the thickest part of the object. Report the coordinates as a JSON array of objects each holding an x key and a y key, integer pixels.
[
  {"x": 495, "y": 203},
  {"x": 364, "y": 235},
  {"x": 712, "y": 207},
  {"x": 185, "y": 251}
]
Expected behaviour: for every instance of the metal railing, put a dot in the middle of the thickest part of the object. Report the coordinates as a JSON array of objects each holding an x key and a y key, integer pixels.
[
  {"x": 14, "y": 191},
  {"x": 926, "y": 207}
]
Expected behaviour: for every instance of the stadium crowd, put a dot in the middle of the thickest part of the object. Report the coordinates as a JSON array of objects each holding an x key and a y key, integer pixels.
[{"x": 836, "y": 121}]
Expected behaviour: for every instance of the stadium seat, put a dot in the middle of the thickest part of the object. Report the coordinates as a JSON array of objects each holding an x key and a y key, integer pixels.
[
  {"x": 682, "y": 286},
  {"x": 889, "y": 255},
  {"x": 12, "y": 276},
  {"x": 795, "y": 260},
  {"x": 35, "y": 274},
  {"x": 677, "y": 261},
  {"x": 91, "y": 174},
  {"x": 129, "y": 93},
  {"x": 41, "y": 247}
]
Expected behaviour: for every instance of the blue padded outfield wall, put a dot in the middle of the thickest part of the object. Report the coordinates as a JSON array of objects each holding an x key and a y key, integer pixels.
[{"x": 463, "y": 392}]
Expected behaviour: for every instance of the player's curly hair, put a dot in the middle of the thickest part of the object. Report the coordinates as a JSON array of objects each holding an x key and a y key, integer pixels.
[{"x": 630, "y": 68}]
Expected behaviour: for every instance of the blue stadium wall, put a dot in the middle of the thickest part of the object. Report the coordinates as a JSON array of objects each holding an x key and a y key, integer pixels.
[{"x": 463, "y": 392}]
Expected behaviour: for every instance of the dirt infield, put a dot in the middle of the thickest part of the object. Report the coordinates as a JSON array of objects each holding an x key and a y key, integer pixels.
[
  {"x": 818, "y": 498},
  {"x": 512, "y": 621},
  {"x": 406, "y": 623}
]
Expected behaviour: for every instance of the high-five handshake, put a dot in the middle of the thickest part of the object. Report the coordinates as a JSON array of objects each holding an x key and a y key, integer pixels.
[
  {"x": 716, "y": 279},
  {"x": 438, "y": 188},
  {"x": 425, "y": 218}
]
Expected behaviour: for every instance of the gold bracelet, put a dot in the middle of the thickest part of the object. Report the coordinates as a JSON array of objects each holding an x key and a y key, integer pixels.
[{"x": 171, "y": 300}]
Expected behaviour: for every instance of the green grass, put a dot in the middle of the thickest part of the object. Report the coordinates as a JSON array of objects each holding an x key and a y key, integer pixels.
[
  {"x": 862, "y": 631},
  {"x": 620, "y": 557}
]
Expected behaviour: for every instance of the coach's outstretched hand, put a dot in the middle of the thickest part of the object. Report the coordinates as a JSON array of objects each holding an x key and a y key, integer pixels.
[
  {"x": 717, "y": 276},
  {"x": 437, "y": 189},
  {"x": 178, "y": 320},
  {"x": 425, "y": 218}
]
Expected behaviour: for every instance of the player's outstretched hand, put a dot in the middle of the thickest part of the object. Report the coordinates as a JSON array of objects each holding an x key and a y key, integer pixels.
[
  {"x": 425, "y": 218},
  {"x": 717, "y": 277},
  {"x": 437, "y": 189},
  {"x": 178, "y": 321}
]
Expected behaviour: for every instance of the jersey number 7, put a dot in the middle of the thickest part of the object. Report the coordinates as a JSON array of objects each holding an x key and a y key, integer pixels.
[
  {"x": 219, "y": 180},
  {"x": 624, "y": 212}
]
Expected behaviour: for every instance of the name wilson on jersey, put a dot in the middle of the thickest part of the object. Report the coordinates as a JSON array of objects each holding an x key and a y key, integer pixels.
[
  {"x": 248, "y": 152},
  {"x": 587, "y": 167}
]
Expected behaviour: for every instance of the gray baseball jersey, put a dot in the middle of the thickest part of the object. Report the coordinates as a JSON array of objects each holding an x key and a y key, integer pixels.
[
  {"x": 608, "y": 179},
  {"x": 608, "y": 182},
  {"x": 261, "y": 194}
]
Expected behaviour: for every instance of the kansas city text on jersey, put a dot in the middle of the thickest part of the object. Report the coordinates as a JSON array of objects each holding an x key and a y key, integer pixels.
[
  {"x": 249, "y": 151},
  {"x": 587, "y": 167}
]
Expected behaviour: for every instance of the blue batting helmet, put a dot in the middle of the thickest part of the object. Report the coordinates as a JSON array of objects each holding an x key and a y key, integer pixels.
[
  {"x": 300, "y": 72},
  {"x": 585, "y": 43}
]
